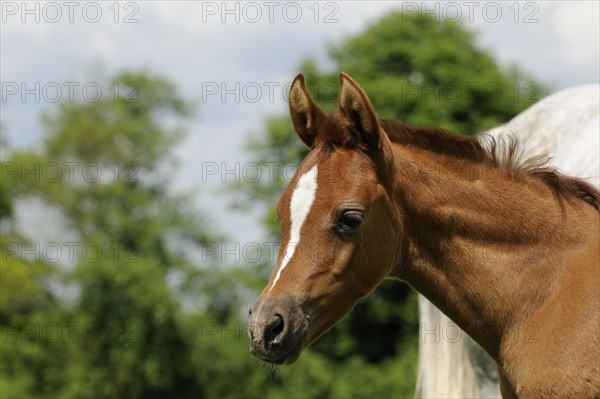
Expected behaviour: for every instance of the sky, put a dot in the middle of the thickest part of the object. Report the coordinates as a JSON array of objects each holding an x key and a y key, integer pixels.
[{"x": 235, "y": 60}]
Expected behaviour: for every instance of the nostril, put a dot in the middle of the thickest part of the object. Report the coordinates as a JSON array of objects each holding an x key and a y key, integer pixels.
[{"x": 274, "y": 329}]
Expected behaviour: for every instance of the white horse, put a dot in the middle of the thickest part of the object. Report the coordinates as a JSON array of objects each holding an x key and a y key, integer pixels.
[{"x": 566, "y": 127}]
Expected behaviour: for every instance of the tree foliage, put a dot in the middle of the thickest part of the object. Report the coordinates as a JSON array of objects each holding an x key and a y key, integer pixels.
[{"x": 110, "y": 186}]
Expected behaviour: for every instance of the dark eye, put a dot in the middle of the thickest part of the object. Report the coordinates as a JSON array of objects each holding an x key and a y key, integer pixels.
[{"x": 349, "y": 221}]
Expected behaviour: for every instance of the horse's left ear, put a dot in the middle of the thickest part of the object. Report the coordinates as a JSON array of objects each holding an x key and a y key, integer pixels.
[{"x": 356, "y": 108}]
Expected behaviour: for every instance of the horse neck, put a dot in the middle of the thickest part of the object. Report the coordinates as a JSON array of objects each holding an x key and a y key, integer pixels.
[{"x": 479, "y": 243}]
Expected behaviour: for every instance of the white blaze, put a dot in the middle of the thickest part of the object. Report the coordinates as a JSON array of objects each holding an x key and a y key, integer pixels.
[{"x": 302, "y": 200}]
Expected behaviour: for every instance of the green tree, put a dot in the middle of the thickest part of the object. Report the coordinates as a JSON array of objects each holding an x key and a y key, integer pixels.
[
  {"x": 23, "y": 296},
  {"x": 418, "y": 70},
  {"x": 125, "y": 329}
]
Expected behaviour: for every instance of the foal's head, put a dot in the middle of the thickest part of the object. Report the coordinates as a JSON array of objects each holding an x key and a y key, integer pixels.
[{"x": 340, "y": 231}]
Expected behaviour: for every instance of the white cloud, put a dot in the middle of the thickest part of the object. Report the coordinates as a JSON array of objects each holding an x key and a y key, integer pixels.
[{"x": 578, "y": 27}]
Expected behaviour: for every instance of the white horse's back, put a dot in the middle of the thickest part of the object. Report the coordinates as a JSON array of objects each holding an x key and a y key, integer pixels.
[{"x": 566, "y": 127}]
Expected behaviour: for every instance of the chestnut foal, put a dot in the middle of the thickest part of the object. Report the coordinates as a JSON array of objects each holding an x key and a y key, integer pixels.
[{"x": 507, "y": 248}]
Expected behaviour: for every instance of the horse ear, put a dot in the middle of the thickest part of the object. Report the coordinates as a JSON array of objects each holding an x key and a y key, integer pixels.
[
  {"x": 304, "y": 111},
  {"x": 356, "y": 108}
]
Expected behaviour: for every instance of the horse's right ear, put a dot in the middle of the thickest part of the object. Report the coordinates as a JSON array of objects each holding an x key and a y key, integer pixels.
[{"x": 304, "y": 111}]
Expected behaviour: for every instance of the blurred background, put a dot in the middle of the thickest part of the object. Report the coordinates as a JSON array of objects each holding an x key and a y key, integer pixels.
[{"x": 145, "y": 143}]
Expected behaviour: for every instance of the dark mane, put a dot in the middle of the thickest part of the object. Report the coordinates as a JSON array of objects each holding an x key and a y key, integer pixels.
[
  {"x": 505, "y": 154},
  {"x": 436, "y": 140}
]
